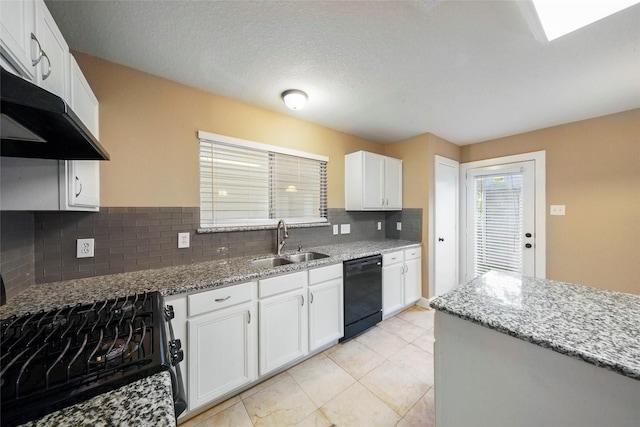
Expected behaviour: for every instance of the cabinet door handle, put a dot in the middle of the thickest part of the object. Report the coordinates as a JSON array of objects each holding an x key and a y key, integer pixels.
[
  {"x": 302, "y": 296},
  {"x": 78, "y": 182},
  {"x": 35, "y": 61},
  {"x": 249, "y": 314},
  {"x": 223, "y": 299},
  {"x": 311, "y": 298},
  {"x": 45, "y": 76}
]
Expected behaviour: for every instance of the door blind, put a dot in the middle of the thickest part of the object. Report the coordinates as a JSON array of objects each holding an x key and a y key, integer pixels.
[
  {"x": 245, "y": 186},
  {"x": 498, "y": 218}
]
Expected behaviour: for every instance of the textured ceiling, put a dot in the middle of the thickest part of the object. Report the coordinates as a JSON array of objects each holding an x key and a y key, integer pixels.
[{"x": 466, "y": 71}]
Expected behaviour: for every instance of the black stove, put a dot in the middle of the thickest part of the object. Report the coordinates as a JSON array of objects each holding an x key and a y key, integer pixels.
[{"x": 57, "y": 358}]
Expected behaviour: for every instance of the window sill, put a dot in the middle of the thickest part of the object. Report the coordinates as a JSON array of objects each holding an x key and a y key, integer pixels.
[{"x": 259, "y": 227}]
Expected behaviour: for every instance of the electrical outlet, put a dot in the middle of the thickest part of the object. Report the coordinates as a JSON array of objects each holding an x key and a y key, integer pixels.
[
  {"x": 335, "y": 230},
  {"x": 345, "y": 228},
  {"x": 556, "y": 210},
  {"x": 379, "y": 225},
  {"x": 85, "y": 248},
  {"x": 183, "y": 240},
  {"x": 399, "y": 226}
]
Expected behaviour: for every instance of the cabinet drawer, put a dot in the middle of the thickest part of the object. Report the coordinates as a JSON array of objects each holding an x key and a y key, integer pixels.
[
  {"x": 322, "y": 274},
  {"x": 391, "y": 258},
  {"x": 280, "y": 284},
  {"x": 220, "y": 298},
  {"x": 412, "y": 253}
]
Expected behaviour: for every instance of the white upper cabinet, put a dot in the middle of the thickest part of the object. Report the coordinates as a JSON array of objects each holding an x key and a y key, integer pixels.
[
  {"x": 49, "y": 185},
  {"x": 17, "y": 24},
  {"x": 82, "y": 100},
  {"x": 372, "y": 182},
  {"x": 83, "y": 185},
  {"x": 52, "y": 52}
]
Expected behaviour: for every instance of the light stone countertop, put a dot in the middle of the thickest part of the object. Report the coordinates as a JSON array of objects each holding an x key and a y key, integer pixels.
[
  {"x": 150, "y": 399},
  {"x": 182, "y": 278},
  {"x": 597, "y": 326},
  {"x": 147, "y": 403}
]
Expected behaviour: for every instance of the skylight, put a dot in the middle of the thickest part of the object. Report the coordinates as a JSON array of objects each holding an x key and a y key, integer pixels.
[{"x": 560, "y": 17}]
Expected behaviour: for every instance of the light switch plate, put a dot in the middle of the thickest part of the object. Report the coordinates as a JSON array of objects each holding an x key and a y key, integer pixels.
[
  {"x": 183, "y": 240},
  {"x": 379, "y": 225},
  {"x": 557, "y": 210},
  {"x": 399, "y": 226},
  {"x": 345, "y": 228},
  {"x": 335, "y": 230},
  {"x": 85, "y": 248}
]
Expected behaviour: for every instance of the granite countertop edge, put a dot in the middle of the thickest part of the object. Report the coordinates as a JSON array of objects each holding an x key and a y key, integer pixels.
[
  {"x": 148, "y": 401},
  {"x": 187, "y": 278},
  {"x": 555, "y": 342}
]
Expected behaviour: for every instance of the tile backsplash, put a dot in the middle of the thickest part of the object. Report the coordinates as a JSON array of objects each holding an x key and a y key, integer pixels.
[
  {"x": 140, "y": 238},
  {"x": 17, "y": 260}
]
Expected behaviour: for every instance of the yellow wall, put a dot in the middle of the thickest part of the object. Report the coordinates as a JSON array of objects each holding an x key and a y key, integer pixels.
[
  {"x": 418, "y": 156},
  {"x": 149, "y": 127},
  {"x": 593, "y": 167}
]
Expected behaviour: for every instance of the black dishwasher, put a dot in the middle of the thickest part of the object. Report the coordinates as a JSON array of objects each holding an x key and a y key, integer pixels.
[{"x": 362, "y": 294}]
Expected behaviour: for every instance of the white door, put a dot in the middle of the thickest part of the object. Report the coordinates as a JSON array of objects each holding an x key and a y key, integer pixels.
[
  {"x": 445, "y": 240},
  {"x": 500, "y": 219}
]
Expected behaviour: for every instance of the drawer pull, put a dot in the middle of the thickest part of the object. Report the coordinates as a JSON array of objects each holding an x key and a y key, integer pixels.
[{"x": 223, "y": 299}]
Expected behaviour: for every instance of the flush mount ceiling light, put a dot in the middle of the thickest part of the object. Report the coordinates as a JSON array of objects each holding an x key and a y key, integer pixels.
[{"x": 294, "y": 99}]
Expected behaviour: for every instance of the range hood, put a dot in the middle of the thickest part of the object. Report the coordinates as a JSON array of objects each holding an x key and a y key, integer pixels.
[{"x": 38, "y": 124}]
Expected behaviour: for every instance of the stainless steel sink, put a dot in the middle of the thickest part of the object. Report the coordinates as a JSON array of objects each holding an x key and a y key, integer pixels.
[
  {"x": 306, "y": 256},
  {"x": 270, "y": 262}
]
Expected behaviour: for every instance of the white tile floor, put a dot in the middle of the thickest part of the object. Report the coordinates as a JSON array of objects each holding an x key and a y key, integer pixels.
[{"x": 382, "y": 378}]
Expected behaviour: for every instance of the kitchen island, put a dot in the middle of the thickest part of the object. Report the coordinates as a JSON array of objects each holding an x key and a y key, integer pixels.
[
  {"x": 117, "y": 407},
  {"x": 518, "y": 351}
]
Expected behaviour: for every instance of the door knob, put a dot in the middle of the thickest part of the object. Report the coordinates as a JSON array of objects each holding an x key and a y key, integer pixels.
[
  {"x": 440, "y": 239},
  {"x": 528, "y": 246},
  {"x": 528, "y": 235}
]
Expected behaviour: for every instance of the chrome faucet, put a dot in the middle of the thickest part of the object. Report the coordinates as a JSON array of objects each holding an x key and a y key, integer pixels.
[{"x": 280, "y": 243}]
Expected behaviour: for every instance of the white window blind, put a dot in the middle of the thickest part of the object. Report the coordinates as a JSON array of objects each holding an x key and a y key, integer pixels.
[
  {"x": 498, "y": 222},
  {"x": 241, "y": 185}
]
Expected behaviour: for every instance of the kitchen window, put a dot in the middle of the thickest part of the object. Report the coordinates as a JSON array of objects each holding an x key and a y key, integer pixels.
[{"x": 246, "y": 184}]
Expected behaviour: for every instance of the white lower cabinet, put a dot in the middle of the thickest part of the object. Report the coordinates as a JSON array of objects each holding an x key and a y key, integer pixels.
[
  {"x": 326, "y": 306},
  {"x": 283, "y": 324},
  {"x": 392, "y": 283},
  {"x": 221, "y": 341},
  {"x": 412, "y": 276},
  {"x": 401, "y": 280}
]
